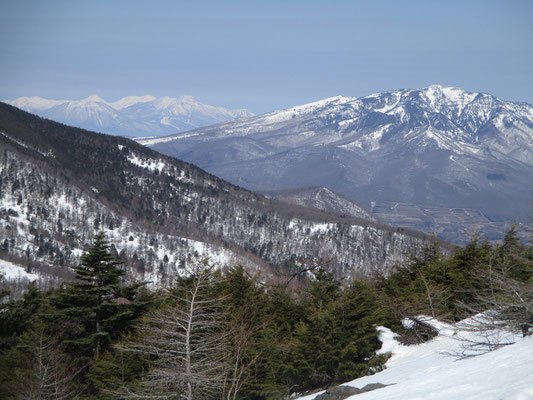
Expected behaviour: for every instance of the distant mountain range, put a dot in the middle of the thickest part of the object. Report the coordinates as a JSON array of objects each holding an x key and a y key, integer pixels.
[
  {"x": 438, "y": 159},
  {"x": 60, "y": 185},
  {"x": 132, "y": 116}
]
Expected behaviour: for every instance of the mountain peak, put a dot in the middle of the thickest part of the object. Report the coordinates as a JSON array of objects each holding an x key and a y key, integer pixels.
[
  {"x": 94, "y": 99},
  {"x": 187, "y": 99},
  {"x": 131, "y": 100},
  {"x": 34, "y": 103},
  {"x": 132, "y": 115},
  {"x": 436, "y": 145},
  {"x": 319, "y": 104}
]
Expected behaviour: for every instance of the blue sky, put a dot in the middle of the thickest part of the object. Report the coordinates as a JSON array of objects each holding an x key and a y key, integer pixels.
[{"x": 263, "y": 55}]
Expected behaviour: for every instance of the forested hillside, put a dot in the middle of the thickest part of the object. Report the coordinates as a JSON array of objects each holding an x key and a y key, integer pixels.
[
  {"x": 230, "y": 336},
  {"x": 60, "y": 185}
]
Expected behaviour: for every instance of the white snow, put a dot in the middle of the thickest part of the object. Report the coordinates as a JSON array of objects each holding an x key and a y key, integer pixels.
[
  {"x": 369, "y": 142},
  {"x": 347, "y": 122},
  {"x": 289, "y": 113},
  {"x": 13, "y": 272},
  {"x": 150, "y": 141},
  {"x": 130, "y": 101},
  {"x": 433, "y": 371},
  {"x": 94, "y": 98},
  {"x": 296, "y": 224},
  {"x": 132, "y": 115},
  {"x": 321, "y": 228},
  {"x": 34, "y": 103},
  {"x": 151, "y": 165}
]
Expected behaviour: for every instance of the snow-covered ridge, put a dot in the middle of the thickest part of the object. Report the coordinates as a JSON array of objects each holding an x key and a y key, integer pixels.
[
  {"x": 438, "y": 146},
  {"x": 150, "y": 141},
  {"x": 132, "y": 115},
  {"x": 446, "y": 118},
  {"x": 130, "y": 101}
]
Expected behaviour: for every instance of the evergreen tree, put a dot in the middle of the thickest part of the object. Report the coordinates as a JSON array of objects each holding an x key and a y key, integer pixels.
[
  {"x": 89, "y": 305},
  {"x": 356, "y": 315}
]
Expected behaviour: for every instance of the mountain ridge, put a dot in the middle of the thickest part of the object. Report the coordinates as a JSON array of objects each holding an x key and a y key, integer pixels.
[
  {"x": 131, "y": 115},
  {"x": 59, "y": 185},
  {"x": 323, "y": 199},
  {"x": 431, "y": 147}
]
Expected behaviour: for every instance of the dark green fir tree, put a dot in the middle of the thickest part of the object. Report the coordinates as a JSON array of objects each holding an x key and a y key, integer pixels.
[{"x": 93, "y": 305}]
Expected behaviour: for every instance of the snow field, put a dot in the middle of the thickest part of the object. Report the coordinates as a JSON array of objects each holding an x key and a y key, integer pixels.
[
  {"x": 434, "y": 371},
  {"x": 13, "y": 272}
]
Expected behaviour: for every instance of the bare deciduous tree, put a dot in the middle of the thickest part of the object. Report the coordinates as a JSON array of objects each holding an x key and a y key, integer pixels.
[
  {"x": 50, "y": 375},
  {"x": 509, "y": 300},
  {"x": 186, "y": 342},
  {"x": 503, "y": 306},
  {"x": 241, "y": 331}
]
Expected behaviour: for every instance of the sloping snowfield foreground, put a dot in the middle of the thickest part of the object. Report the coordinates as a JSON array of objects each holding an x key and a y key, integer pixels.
[{"x": 436, "y": 371}]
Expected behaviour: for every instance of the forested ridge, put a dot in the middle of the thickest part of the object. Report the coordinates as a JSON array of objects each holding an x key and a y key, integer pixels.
[
  {"x": 227, "y": 334},
  {"x": 60, "y": 185}
]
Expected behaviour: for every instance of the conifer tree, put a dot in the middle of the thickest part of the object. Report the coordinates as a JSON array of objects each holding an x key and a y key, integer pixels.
[{"x": 89, "y": 303}]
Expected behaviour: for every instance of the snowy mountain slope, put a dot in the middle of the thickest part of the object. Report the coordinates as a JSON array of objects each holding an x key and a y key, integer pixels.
[
  {"x": 130, "y": 116},
  {"x": 11, "y": 272},
  {"x": 432, "y": 370},
  {"x": 323, "y": 199},
  {"x": 60, "y": 185},
  {"x": 431, "y": 147}
]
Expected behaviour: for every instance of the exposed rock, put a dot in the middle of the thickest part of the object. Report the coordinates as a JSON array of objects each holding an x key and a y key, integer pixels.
[{"x": 343, "y": 392}]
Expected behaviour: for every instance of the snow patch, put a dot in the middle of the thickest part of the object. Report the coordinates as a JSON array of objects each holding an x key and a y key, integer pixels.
[
  {"x": 432, "y": 371},
  {"x": 151, "y": 165},
  {"x": 12, "y": 272},
  {"x": 151, "y": 141}
]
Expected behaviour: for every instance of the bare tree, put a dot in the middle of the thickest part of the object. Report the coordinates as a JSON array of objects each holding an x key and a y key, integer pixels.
[
  {"x": 186, "y": 343},
  {"x": 241, "y": 332},
  {"x": 504, "y": 305},
  {"x": 509, "y": 300},
  {"x": 437, "y": 297},
  {"x": 50, "y": 375}
]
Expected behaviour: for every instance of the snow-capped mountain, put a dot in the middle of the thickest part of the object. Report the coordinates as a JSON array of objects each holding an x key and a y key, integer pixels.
[
  {"x": 131, "y": 116},
  {"x": 437, "y": 147},
  {"x": 60, "y": 185}
]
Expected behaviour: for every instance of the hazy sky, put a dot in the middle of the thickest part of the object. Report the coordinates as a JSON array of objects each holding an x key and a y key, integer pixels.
[{"x": 263, "y": 55}]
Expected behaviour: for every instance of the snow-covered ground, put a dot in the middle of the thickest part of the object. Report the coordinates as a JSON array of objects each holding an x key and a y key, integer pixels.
[
  {"x": 13, "y": 272},
  {"x": 433, "y": 371}
]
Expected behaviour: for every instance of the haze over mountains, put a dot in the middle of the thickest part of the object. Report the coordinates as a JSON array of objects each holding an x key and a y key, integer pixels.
[
  {"x": 439, "y": 158},
  {"x": 130, "y": 116},
  {"x": 60, "y": 185}
]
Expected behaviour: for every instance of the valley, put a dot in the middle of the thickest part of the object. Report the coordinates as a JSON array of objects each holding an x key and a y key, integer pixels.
[
  {"x": 61, "y": 185},
  {"x": 434, "y": 150}
]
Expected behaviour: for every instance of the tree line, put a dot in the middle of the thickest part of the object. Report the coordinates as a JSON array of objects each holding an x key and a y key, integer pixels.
[{"x": 228, "y": 334}]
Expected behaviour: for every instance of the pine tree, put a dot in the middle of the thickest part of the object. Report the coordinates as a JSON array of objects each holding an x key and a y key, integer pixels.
[{"x": 89, "y": 304}]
